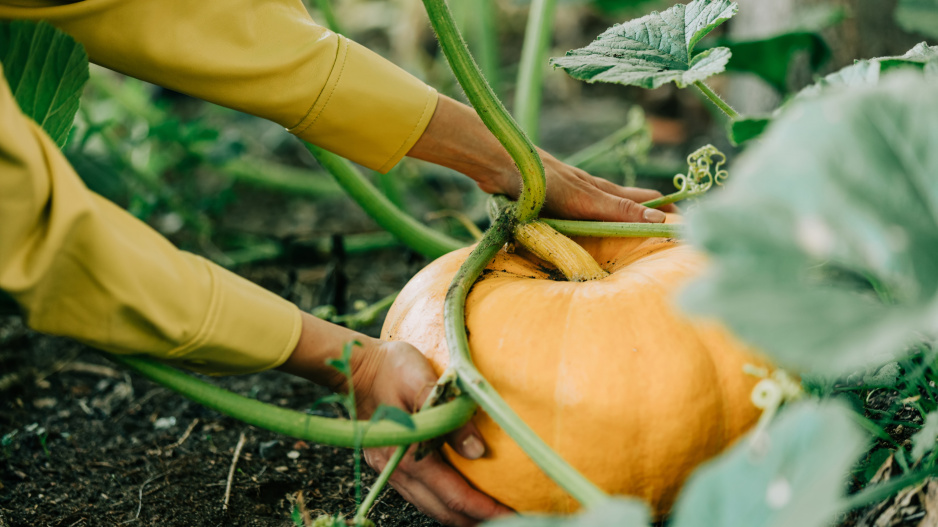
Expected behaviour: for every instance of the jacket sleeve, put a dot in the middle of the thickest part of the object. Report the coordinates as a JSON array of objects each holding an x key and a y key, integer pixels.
[
  {"x": 82, "y": 267},
  {"x": 263, "y": 57}
]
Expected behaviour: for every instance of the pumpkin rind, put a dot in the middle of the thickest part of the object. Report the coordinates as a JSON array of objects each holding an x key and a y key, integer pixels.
[{"x": 607, "y": 372}]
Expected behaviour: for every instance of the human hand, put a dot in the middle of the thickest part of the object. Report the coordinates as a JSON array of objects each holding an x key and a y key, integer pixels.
[
  {"x": 457, "y": 138},
  {"x": 396, "y": 374}
]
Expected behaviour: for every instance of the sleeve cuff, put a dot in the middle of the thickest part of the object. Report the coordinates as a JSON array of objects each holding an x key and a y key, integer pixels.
[
  {"x": 370, "y": 111},
  {"x": 247, "y": 329}
]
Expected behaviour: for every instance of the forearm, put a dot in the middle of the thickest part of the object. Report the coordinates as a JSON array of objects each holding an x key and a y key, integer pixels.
[
  {"x": 80, "y": 266},
  {"x": 263, "y": 57},
  {"x": 457, "y": 138}
]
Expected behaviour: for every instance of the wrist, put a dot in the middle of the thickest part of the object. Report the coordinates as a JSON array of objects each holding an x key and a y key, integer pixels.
[
  {"x": 320, "y": 341},
  {"x": 456, "y": 138}
]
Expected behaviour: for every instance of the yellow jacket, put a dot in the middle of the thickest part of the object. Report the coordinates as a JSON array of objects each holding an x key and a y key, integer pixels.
[{"x": 82, "y": 267}]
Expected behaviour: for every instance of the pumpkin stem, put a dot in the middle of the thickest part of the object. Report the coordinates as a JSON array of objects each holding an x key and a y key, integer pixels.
[{"x": 569, "y": 257}]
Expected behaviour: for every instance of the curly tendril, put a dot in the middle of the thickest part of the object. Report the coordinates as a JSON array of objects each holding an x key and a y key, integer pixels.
[{"x": 704, "y": 169}]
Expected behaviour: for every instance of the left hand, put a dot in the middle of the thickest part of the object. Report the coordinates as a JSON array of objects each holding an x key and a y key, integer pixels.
[{"x": 456, "y": 138}]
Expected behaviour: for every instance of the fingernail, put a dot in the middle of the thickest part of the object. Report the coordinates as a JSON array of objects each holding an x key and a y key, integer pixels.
[
  {"x": 654, "y": 216},
  {"x": 472, "y": 448}
]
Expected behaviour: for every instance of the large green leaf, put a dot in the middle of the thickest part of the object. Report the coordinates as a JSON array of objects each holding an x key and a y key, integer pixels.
[
  {"x": 621, "y": 512},
  {"x": 770, "y": 58},
  {"x": 792, "y": 475},
  {"x": 919, "y": 16},
  {"x": 861, "y": 73},
  {"x": 656, "y": 49},
  {"x": 46, "y": 70},
  {"x": 825, "y": 243}
]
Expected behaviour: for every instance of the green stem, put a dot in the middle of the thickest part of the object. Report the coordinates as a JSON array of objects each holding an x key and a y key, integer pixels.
[
  {"x": 368, "y": 315},
  {"x": 668, "y": 199},
  {"x": 379, "y": 484},
  {"x": 473, "y": 383},
  {"x": 281, "y": 178},
  {"x": 429, "y": 424},
  {"x": 491, "y": 110},
  {"x": 530, "y": 84},
  {"x": 325, "y": 7},
  {"x": 411, "y": 232},
  {"x": 598, "y": 229},
  {"x": 635, "y": 124},
  {"x": 717, "y": 100}
]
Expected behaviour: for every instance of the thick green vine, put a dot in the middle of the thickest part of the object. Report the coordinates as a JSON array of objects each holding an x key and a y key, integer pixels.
[{"x": 532, "y": 196}]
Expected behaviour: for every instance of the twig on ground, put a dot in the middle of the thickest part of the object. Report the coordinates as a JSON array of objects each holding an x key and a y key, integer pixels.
[
  {"x": 140, "y": 494},
  {"x": 231, "y": 471},
  {"x": 185, "y": 436}
]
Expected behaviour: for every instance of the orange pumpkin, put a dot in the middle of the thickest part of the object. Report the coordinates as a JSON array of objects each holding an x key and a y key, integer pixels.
[{"x": 623, "y": 386}]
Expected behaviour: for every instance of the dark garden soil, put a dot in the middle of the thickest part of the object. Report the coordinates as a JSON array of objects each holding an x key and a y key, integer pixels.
[{"x": 87, "y": 443}]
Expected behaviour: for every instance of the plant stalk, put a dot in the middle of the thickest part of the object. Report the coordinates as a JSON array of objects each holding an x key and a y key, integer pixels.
[
  {"x": 667, "y": 199},
  {"x": 491, "y": 110},
  {"x": 432, "y": 423},
  {"x": 717, "y": 100},
  {"x": 599, "y": 229},
  {"x": 411, "y": 232},
  {"x": 325, "y": 7},
  {"x": 530, "y": 86},
  {"x": 635, "y": 124},
  {"x": 379, "y": 484}
]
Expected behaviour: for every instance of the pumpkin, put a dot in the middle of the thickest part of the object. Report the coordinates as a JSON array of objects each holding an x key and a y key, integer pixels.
[{"x": 608, "y": 372}]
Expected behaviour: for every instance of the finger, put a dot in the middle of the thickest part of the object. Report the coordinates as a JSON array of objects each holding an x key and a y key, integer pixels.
[
  {"x": 452, "y": 489},
  {"x": 427, "y": 502},
  {"x": 607, "y": 207},
  {"x": 467, "y": 441},
  {"x": 639, "y": 195}
]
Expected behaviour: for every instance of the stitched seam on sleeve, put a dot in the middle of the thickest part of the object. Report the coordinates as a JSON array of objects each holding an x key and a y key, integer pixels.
[
  {"x": 342, "y": 52},
  {"x": 423, "y": 115}
]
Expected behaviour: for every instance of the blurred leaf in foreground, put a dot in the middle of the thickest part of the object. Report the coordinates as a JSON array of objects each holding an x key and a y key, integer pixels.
[
  {"x": 46, "y": 70},
  {"x": 655, "y": 49},
  {"x": 824, "y": 244},
  {"x": 790, "y": 475}
]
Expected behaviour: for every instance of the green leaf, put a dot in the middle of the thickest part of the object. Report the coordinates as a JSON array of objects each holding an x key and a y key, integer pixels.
[
  {"x": 621, "y": 512},
  {"x": 46, "y": 70},
  {"x": 824, "y": 243},
  {"x": 392, "y": 413},
  {"x": 654, "y": 50},
  {"x": 793, "y": 475},
  {"x": 770, "y": 58},
  {"x": 337, "y": 398},
  {"x": 924, "y": 440},
  {"x": 918, "y": 16},
  {"x": 861, "y": 73},
  {"x": 742, "y": 130}
]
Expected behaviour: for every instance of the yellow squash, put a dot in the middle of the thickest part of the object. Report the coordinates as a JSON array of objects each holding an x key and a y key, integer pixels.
[{"x": 608, "y": 372}]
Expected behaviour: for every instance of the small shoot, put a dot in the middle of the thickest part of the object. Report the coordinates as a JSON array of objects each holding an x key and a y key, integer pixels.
[
  {"x": 656, "y": 49},
  {"x": 704, "y": 169},
  {"x": 343, "y": 365}
]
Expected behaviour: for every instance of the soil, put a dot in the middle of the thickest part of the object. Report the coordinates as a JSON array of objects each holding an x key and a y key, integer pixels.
[{"x": 86, "y": 443}]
